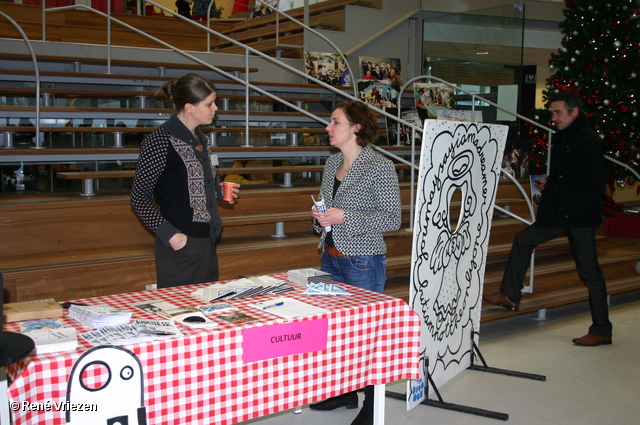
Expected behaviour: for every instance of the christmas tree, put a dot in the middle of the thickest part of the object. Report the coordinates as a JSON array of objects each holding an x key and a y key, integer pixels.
[{"x": 600, "y": 61}]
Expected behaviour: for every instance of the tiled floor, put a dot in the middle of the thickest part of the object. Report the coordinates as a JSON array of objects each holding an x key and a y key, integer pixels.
[{"x": 584, "y": 385}]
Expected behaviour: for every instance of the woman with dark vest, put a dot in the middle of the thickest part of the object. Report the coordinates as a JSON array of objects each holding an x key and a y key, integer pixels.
[{"x": 174, "y": 190}]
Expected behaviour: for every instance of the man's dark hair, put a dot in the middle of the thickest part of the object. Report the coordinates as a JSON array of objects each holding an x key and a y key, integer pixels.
[{"x": 571, "y": 99}]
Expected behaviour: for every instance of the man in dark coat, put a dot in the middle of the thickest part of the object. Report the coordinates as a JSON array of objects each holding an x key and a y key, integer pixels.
[{"x": 570, "y": 204}]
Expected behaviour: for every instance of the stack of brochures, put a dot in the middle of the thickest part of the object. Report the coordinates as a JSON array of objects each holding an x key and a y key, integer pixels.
[
  {"x": 304, "y": 277},
  {"x": 243, "y": 288},
  {"x": 136, "y": 332},
  {"x": 96, "y": 316}
]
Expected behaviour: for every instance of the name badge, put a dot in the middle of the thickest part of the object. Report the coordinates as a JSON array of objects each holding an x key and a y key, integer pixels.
[{"x": 214, "y": 159}]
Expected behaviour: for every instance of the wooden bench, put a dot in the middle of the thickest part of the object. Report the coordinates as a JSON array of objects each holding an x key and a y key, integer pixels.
[
  {"x": 9, "y": 133},
  {"x": 77, "y": 62},
  {"x": 333, "y": 20},
  {"x": 298, "y": 13},
  {"x": 222, "y": 99},
  {"x": 89, "y": 176}
]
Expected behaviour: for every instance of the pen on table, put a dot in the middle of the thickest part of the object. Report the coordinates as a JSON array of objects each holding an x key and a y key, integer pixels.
[{"x": 273, "y": 305}]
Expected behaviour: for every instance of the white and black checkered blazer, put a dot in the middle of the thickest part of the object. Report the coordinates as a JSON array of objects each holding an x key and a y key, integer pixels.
[{"x": 369, "y": 196}]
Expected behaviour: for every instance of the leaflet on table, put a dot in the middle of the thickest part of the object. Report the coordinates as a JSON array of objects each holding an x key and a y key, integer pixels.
[
  {"x": 288, "y": 308},
  {"x": 179, "y": 311},
  {"x": 324, "y": 289},
  {"x": 217, "y": 307},
  {"x": 138, "y": 331},
  {"x": 33, "y": 325},
  {"x": 235, "y": 318},
  {"x": 154, "y": 306},
  {"x": 52, "y": 340},
  {"x": 241, "y": 288}
]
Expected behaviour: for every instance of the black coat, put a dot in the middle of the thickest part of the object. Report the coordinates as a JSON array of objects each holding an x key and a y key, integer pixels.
[{"x": 573, "y": 194}]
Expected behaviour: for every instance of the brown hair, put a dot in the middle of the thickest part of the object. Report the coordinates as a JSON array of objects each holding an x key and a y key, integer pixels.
[
  {"x": 359, "y": 113},
  {"x": 191, "y": 88}
]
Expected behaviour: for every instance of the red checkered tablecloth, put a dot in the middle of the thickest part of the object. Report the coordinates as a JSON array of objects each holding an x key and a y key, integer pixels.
[{"x": 201, "y": 378}]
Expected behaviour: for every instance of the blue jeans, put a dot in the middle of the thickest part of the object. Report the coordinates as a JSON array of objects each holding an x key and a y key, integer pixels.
[{"x": 364, "y": 271}]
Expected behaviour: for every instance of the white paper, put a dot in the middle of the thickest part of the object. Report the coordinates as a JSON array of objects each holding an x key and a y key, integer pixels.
[{"x": 289, "y": 309}]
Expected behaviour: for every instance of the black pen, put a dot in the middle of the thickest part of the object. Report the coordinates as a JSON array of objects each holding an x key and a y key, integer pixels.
[{"x": 159, "y": 333}]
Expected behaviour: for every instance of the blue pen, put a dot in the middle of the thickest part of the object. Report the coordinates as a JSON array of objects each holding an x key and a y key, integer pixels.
[{"x": 273, "y": 305}]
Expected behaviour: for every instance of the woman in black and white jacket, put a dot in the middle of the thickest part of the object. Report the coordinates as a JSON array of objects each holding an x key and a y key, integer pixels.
[{"x": 362, "y": 198}]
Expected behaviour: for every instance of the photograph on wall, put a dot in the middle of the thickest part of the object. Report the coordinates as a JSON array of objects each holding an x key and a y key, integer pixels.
[
  {"x": 433, "y": 97},
  {"x": 402, "y": 137},
  {"x": 379, "y": 69},
  {"x": 327, "y": 67},
  {"x": 381, "y": 94}
]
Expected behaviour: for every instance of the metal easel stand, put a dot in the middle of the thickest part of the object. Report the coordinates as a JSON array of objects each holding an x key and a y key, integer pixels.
[
  {"x": 440, "y": 403},
  {"x": 485, "y": 368}
]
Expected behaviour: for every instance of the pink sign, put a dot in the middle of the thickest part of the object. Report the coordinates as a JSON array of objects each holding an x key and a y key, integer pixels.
[{"x": 267, "y": 342}]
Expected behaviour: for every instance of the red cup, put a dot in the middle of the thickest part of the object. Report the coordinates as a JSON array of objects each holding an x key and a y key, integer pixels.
[{"x": 226, "y": 191}]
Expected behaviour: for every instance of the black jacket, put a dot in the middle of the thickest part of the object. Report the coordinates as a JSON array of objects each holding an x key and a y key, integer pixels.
[{"x": 573, "y": 194}]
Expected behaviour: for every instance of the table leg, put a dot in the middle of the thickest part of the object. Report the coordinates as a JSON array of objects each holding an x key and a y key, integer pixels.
[{"x": 379, "y": 395}]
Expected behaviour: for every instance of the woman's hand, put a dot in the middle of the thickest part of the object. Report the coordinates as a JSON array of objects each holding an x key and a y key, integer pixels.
[
  {"x": 235, "y": 190},
  {"x": 329, "y": 218},
  {"x": 178, "y": 241}
]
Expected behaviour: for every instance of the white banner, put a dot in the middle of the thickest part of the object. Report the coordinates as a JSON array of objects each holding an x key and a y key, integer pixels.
[{"x": 450, "y": 243}]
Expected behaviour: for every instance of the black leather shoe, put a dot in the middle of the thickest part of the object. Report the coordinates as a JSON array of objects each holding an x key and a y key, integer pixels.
[
  {"x": 365, "y": 416},
  {"x": 590, "y": 340},
  {"x": 501, "y": 300},
  {"x": 348, "y": 400}
]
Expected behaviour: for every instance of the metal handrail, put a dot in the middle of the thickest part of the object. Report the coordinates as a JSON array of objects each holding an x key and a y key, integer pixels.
[
  {"x": 317, "y": 81},
  {"x": 37, "y": 72},
  {"x": 473, "y": 98},
  {"x": 514, "y": 181}
]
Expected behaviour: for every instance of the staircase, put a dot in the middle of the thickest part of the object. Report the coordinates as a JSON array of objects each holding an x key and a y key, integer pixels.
[
  {"x": 79, "y": 26},
  {"x": 54, "y": 243}
]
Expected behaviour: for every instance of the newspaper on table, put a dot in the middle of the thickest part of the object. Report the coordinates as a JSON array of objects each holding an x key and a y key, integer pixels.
[
  {"x": 96, "y": 316},
  {"x": 136, "y": 332},
  {"x": 242, "y": 288}
]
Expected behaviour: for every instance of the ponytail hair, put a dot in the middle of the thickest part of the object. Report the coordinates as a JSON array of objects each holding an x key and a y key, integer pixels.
[{"x": 191, "y": 88}]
